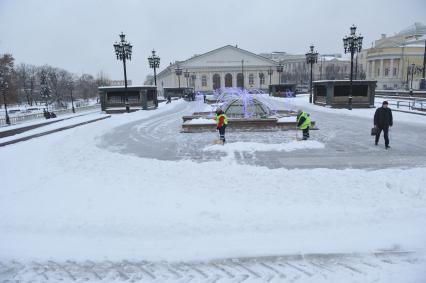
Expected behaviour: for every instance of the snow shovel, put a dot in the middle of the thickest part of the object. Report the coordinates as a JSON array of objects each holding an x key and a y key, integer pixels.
[{"x": 297, "y": 135}]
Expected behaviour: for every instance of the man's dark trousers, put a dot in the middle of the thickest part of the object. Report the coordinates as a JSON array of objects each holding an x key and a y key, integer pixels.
[{"x": 385, "y": 133}]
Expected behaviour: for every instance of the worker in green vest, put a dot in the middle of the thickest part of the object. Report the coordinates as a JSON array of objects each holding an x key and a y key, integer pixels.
[
  {"x": 221, "y": 123},
  {"x": 303, "y": 123}
]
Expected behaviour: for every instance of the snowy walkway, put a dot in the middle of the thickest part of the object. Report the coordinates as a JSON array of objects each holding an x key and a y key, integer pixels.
[
  {"x": 51, "y": 128},
  {"x": 383, "y": 267},
  {"x": 85, "y": 204},
  {"x": 347, "y": 141}
]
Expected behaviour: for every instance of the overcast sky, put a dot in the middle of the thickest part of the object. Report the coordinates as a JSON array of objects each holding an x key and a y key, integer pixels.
[{"x": 77, "y": 35}]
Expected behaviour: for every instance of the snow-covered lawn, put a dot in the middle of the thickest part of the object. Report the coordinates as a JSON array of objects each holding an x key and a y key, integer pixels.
[
  {"x": 301, "y": 102},
  {"x": 59, "y": 124},
  {"x": 64, "y": 197}
]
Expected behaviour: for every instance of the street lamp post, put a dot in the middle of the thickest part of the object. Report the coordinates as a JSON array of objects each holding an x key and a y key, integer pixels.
[
  {"x": 242, "y": 73},
  {"x": 311, "y": 59},
  {"x": 4, "y": 85},
  {"x": 154, "y": 63},
  {"x": 71, "y": 87},
  {"x": 261, "y": 79},
  {"x": 186, "y": 75},
  {"x": 193, "y": 78},
  {"x": 178, "y": 72},
  {"x": 352, "y": 44},
  {"x": 406, "y": 83},
  {"x": 270, "y": 72},
  {"x": 123, "y": 51},
  {"x": 423, "y": 81},
  {"x": 280, "y": 69}
]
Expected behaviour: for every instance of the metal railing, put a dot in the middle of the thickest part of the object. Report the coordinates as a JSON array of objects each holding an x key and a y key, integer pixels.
[
  {"x": 58, "y": 112},
  {"x": 419, "y": 105}
]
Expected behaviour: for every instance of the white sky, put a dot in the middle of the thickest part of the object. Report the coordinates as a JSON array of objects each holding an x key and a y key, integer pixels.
[{"x": 77, "y": 35}]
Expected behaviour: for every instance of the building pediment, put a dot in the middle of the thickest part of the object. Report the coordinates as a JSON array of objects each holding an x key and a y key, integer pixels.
[{"x": 227, "y": 56}]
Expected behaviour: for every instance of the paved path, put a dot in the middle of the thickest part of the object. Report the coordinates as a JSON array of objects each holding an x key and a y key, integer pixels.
[
  {"x": 363, "y": 268},
  {"x": 347, "y": 140}
]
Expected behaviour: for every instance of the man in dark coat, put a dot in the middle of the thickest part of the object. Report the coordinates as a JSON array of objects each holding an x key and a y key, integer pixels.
[{"x": 382, "y": 121}]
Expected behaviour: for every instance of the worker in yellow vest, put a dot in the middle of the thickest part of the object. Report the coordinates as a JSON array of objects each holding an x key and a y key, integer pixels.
[
  {"x": 221, "y": 123},
  {"x": 303, "y": 123}
]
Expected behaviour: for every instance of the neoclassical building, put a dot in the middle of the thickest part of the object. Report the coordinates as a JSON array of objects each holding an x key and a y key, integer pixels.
[
  {"x": 390, "y": 61},
  {"x": 296, "y": 70},
  {"x": 227, "y": 66}
]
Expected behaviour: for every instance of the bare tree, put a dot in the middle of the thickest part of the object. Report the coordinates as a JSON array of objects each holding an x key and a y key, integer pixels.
[
  {"x": 26, "y": 76},
  {"x": 48, "y": 84},
  {"x": 86, "y": 87},
  {"x": 102, "y": 79}
]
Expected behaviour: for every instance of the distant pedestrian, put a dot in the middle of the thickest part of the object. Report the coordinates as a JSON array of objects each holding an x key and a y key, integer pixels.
[
  {"x": 382, "y": 121},
  {"x": 221, "y": 122},
  {"x": 169, "y": 99},
  {"x": 46, "y": 114},
  {"x": 303, "y": 123}
]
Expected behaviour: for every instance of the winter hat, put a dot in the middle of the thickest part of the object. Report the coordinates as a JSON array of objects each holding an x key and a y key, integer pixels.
[{"x": 385, "y": 102}]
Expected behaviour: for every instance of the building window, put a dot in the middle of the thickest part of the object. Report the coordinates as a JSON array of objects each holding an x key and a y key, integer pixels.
[
  {"x": 394, "y": 72},
  {"x": 395, "y": 86},
  {"x": 228, "y": 80},
  {"x": 216, "y": 81},
  {"x": 204, "y": 80},
  {"x": 385, "y": 86},
  {"x": 386, "y": 72},
  {"x": 251, "y": 79},
  {"x": 261, "y": 79},
  {"x": 240, "y": 80},
  {"x": 378, "y": 72}
]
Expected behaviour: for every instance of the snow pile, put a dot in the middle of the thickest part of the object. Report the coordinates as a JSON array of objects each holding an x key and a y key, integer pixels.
[
  {"x": 254, "y": 146},
  {"x": 200, "y": 121},
  {"x": 287, "y": 119}
]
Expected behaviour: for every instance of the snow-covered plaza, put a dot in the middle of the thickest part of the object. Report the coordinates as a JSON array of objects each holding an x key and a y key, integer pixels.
[{"x": 131, "y": 198}]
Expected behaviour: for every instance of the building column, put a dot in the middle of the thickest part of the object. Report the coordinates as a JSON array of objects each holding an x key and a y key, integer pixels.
[
  {"x": 373, "y": 69},
  {"x": 382, "y": 74},
  {"x": 400, "y": 70},
  {"x": 391, "y": 68},
  {"x": 367, "y": 71}
]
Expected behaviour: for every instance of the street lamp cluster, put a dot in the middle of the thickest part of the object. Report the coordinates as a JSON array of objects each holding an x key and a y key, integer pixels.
[
  {"x": 352, "y": 44},
  {"x": 186, "y": 75},
  {"x": 154, "y": 63},
  {"x": 280, "y": 69},
  {"x": 193, "y": 78},
  {"x": 123, "y": 51},
  {"x": 311, "y": 58},
  {"x": 270, "y": 72},
  {"x": 178, "y": 72}
]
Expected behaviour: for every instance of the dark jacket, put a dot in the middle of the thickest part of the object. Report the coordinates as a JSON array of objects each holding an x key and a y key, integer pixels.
[{"x": 383, "y": 117}]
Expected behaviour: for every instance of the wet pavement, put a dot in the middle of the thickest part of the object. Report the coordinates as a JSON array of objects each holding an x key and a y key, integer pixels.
[{"x": 347, "y": 140}]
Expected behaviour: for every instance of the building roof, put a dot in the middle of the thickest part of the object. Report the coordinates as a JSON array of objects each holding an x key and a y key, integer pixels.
[
  {"x": 132, "y": 87},
  {"x": 215, "y": 51},
  {"x": 415, "y": 30}
]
